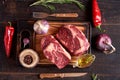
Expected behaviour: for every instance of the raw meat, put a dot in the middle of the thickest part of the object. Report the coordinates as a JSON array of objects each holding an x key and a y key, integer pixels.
[
  {"x": 53, "y": 51},
  {"x": 73, "y": 39}
]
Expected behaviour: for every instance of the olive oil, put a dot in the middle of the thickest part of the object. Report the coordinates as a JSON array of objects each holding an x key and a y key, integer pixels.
[{"x": 85, "y": 60}]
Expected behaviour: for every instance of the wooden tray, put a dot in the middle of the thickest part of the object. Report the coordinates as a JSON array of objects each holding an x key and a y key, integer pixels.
[
  {"x": 35, "y": 39},
  {"x": 54, "y": 27}
]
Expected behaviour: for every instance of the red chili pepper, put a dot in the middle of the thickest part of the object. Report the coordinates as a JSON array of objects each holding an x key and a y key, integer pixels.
[
  {"x": 8, "y": 36},
  {"x": 96, "y": 14}
]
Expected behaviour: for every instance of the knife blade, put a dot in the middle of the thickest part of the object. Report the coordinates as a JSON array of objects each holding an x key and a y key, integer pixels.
[{"x": 61, "y": 75}]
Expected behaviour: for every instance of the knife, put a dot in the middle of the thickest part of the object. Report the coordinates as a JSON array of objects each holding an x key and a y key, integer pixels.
[{"x": 61, "y": 75}]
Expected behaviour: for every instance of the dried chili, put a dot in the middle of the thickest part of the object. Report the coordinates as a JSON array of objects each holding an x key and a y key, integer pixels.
[
  {"x": 8, "y": 36},
  {"x": 96, "y": 14}
]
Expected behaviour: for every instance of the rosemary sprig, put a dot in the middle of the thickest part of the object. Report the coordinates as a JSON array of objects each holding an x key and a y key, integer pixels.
[
  {"x": 95, "y": 77},
  {"x": 48, "y": 3}
]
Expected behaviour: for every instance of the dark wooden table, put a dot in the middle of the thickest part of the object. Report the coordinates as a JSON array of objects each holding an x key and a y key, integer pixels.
[{"x": 106, "y": 66}]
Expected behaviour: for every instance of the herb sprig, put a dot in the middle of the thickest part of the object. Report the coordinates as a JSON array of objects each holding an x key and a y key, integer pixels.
[
  {"x": 95, "y": 77},
  {"x": 48, "y": 3}
]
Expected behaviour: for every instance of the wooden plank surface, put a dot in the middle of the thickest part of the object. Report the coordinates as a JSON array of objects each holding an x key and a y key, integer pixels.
[
  {"x": 21, "y": 10},
  {"x": 107, "y": 66},
  {"x": 54, "y": 27}
]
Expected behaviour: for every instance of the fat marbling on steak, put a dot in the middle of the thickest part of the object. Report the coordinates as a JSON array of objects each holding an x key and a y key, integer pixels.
[
  {"x": 54, "y": 52},
  {"x": 73, "y": 39}
]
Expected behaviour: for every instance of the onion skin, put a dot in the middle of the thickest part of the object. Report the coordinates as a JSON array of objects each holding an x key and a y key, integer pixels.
[
  {"x": 104, "y": 43},
  {"x": 26, "y": 41}
]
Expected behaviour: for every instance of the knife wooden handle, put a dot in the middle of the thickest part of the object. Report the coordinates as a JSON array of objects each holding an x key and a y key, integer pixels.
[
  {"x": 51, "y": 75},
  {"x": 65, "y": 15}
]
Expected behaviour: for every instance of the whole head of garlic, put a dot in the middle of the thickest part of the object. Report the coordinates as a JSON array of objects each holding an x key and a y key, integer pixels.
[{"x": 41, "y": 26}]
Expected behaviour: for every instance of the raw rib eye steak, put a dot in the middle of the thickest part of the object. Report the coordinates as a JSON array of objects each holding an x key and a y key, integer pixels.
[
  {"x": 73, "y": 39},
  {"x": 53, "y": 51}
]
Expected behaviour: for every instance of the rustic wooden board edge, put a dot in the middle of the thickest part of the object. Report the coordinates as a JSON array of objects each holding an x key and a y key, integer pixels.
[
  {"x": 87, "y": 25},
  {"x": 44, "y": 62}
]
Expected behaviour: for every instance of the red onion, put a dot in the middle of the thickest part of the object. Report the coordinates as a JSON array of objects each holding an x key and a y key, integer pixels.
[
  {"x": 26, "y": 41},
  {"x": 104, "y": 43}
]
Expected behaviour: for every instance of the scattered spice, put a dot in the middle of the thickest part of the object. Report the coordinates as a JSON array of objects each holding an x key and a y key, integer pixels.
[{"x": 28, "y": 59}]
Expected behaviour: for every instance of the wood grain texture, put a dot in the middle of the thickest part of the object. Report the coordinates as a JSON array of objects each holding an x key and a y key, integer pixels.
[
  {"x": 54, "y": 27},
  {"x": 19, "y": 9},
  {"x": 110, "y": 11}
]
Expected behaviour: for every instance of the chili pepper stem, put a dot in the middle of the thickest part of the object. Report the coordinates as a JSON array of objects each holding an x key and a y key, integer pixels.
[
  {"x": 98, "y": 27},
  {"x": 10, "y": 24}
]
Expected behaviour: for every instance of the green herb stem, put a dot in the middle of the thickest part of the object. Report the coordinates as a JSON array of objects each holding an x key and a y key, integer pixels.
[
  {"x": 48, "y": 3},
  {"x": 95, "y": 77}
]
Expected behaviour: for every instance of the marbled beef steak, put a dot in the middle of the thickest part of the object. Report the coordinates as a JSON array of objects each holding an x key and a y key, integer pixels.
[
  {"x": 53, "y": 51},
  {"x": 68, "y": 38},
  {"x": 73, "y": 39}
]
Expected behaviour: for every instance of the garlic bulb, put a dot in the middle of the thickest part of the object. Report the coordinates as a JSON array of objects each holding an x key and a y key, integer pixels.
[{"x": 41, "y": 27}]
